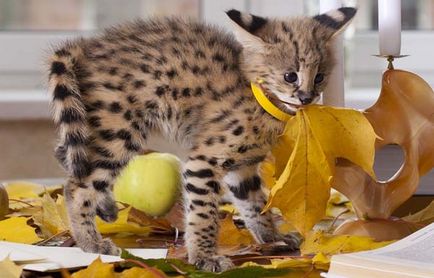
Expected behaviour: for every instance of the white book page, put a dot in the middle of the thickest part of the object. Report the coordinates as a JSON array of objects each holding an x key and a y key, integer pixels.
[
  {"x": 41, "y": 258},
  {"x": 417, "y": 250}
]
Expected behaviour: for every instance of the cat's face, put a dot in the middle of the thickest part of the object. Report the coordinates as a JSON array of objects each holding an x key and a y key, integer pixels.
[{"x": 291, "y": 59}]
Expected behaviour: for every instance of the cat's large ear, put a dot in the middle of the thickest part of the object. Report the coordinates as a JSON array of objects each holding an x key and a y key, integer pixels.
[
  {"x": 336, "y": 20},
  {"x": 245, "y": 27}
]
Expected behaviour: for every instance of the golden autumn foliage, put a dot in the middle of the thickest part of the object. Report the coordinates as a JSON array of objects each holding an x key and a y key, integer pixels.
[
  {"x": 15, "y": 229},
  {"x": 230, "y": 235},
  {"x": 327, "y": 244},
  {"x": 303, "y": 162}
]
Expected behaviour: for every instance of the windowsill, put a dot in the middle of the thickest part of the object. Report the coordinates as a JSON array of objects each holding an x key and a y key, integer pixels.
[
  {"x": 33, "y": 104},
  {"x": 24, "y": 105}
]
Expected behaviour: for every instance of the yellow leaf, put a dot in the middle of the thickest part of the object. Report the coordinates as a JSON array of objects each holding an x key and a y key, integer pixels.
[
  {"x": 321, "y": 261},
  {"x": 229, "y": 234},
  {"x": 9, "y": 269},
  {"x": 15, "y": 229},
  {"x": 424, "y": 216},
  {"x": 328, "y": 244},
  {"x": 24, "y": 191},
  {"x": 315, "y": 137},
  {"x": 121, "y": 225},
  {"x": 229, "y": 208},
  {"x": 52, "y": 219},
  {"x": 97, "y": 269},
  {"x": 137, "y": 272}
]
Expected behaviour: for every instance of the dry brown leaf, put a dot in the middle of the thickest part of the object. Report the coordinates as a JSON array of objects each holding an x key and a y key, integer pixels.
[{"x": 424, "y": 216}]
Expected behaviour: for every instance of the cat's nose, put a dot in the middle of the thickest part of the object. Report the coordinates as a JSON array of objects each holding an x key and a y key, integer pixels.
[{"x": 305, "y": 99}]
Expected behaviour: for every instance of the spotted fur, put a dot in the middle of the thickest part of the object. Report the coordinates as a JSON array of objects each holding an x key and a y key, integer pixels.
[{"x": 190, "y": 82}]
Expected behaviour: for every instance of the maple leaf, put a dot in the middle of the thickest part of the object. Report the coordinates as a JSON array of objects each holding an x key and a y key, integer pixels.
[
  {"x": 9, "y": 269},
  {"x": 328, "y": 244},
  {"x": 52, "y": 219},
  {"x": 23, "y": 191},
  {"x": 230, "y": 235},
  {"x": 122, "y": 225},
  {"x": 97, "y": 269},
  {"x": 15, "y": 229},
  {"x": 315, "y": 137}
]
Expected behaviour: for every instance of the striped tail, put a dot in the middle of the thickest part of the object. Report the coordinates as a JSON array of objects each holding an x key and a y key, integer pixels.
[{"x": 69, "y": 112}]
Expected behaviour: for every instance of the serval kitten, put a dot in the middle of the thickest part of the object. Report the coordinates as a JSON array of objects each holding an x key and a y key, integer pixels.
[{"x": 190, "y": 82}]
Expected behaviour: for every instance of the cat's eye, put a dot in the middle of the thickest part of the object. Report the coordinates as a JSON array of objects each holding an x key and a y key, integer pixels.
[
  {"x": 319, "y": 78},
  {"x": 290, "y": 77}
]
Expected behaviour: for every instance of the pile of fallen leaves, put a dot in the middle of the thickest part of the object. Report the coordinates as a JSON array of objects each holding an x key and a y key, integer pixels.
[{"x": 36, "y": 214}]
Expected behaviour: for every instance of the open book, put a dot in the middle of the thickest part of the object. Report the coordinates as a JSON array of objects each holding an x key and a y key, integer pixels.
[{"x": 412, "y": 256}]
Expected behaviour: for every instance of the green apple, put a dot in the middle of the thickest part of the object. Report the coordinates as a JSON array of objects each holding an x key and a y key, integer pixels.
[{"x": 150, "y": 183}]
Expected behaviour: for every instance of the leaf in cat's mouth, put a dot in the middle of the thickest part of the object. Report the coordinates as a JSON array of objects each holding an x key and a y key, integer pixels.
[{"x": 291, "y": 104}]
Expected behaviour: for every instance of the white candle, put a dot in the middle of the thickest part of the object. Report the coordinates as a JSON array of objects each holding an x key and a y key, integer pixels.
[
  {"x": 334, "y": 92},
  {"x": 389, "y": 27}
]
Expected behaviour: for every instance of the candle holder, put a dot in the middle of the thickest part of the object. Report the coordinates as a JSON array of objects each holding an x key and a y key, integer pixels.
[
  {"x": 402, "y": 116},
  {"x": 390, "y": 59}
]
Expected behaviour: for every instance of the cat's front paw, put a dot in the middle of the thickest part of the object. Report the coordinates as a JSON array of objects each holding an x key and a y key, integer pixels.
[
  {"x": 103, "y": 246},
  {"x": 214, "y": 263}
]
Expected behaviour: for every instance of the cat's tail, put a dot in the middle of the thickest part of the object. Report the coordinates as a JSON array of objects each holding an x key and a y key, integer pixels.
[{"x": 68, "y": 109}]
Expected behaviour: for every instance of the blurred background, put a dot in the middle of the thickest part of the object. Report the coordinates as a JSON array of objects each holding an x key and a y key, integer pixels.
[{"x": 29, "y": 27}]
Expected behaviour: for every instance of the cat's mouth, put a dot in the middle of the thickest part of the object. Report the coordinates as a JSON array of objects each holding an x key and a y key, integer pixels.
[{"x": 296, "y": 106}]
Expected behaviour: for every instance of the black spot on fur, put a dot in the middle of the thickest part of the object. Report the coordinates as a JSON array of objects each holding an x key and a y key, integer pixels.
[
  {"x": 171, "y": 73},
  {"x": 103, "y": 152},
  {"x": 58, "y": 68},
  {"x": 175, "y": 94},
  {"x": 87, "y": 203},
  {"x": 228, "y": 163},
  {"x": 115, "y": 107},
  {"x": 139, "y": 84},
  {"x": 203, "y": 173},
  {"x": 100, "y": 185},
  {"x": 255, "y": 130},
  {"x": 157, "y": 75},
  {"x": 215, "y": 186},
  {"x": 70, "y": 115},
  {"x": 145, "y": 68},
  {"x": 209, "y": 141},
  {"x": 161, "y": 90},
  {"x": 127, "y": 115},
  {"x": 61, "y": 92},
  {"x": 242, "y": 190},
  {"x": 75, "y": 139},
  {"x": 203, "y": 215},
  {"x": 186, "y": 92},
  {"x": 124, "y": 134},
  {"x": 238, "y": 131},
  {"x": 94, "y": 121},
  {"x": 199, "y": 191},
  {"x": 212, "y": 161},
  {"x": 221, "y": 116},
  {"x": 107, "y": 134},
  {"x": 113, "y": 71},
  {"x": 108, "y": 164},
  {"x": 131, "y": 99}
]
